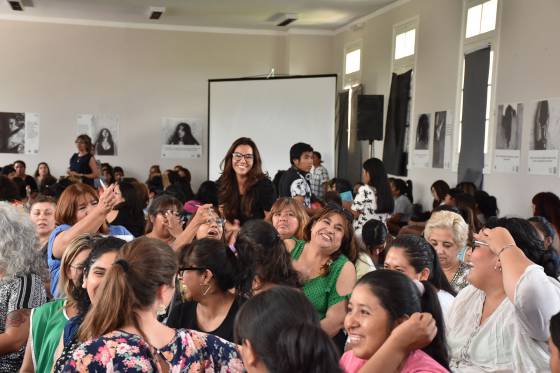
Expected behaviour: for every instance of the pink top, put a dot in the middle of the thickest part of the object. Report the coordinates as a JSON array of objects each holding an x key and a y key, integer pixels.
[{"x": 417, "y": 362}]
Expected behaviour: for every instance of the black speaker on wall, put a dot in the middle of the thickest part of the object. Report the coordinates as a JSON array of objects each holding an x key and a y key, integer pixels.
[{"x": 370, "y": 117}]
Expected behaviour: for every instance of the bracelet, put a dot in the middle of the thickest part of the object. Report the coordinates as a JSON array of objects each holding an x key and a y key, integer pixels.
[{"x": 505, "y": 247}]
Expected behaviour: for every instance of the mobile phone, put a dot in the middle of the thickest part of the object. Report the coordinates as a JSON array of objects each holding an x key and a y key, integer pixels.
[{"x": 103, "y": 185}]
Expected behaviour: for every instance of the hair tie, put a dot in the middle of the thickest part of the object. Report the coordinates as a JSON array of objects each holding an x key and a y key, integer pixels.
[
  {"x": 420, "y": 286},
  {"x": 123, "y": 263}
]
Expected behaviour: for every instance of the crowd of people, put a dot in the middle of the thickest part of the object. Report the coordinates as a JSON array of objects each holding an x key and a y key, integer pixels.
[{"x": 299, "y": 273}]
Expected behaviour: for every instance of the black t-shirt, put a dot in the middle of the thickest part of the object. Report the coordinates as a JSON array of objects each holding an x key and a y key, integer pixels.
[
  {"x": 285, "y": 184},
  {"x": 184, "y": 316}
]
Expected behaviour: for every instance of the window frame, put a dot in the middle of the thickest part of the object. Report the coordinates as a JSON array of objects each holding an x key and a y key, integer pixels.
[
  {"x": 402, "y": 65},
  {"x": 488, "y": 39},
  {"x": 353, "y": 78}
]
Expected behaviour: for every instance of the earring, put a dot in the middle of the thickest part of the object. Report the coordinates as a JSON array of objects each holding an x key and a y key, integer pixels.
[
  {"x": 207, "y": 289},
  {"x": 161, "y": 310}
]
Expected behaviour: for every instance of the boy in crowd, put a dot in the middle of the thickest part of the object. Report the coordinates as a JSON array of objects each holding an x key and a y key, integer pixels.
[
  {"x": 319, "y": 176},
  {"x": 295, "y": 182}
]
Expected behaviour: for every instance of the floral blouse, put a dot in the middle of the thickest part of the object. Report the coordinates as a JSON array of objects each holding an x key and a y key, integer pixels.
[
  {"x": 365, "y": 203},
  {"x": 190, "y": 351}
]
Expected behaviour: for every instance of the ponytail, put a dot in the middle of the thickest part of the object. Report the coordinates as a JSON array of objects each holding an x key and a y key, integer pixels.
[
  {"x": 409, "y": 191},
  {"x": 421, "y": 255},
  {"x": 401, "y": 297},
  {"x": 113, "y": 309},
  {"x": 303, "y": 348},
  {"x": 131, "y": 284},
  {"x": 437, "y": 349}
]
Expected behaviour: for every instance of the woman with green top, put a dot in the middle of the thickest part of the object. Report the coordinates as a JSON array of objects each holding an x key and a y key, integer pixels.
[
  {"x": 47, "y": 321},
  {"x": 325, "y": 260}
]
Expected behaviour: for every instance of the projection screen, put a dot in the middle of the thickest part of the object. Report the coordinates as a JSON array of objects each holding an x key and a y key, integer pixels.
[{"x": 276, "y": 113}]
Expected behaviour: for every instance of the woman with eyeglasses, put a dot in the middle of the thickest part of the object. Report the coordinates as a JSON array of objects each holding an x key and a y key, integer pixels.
[
  {"x": 48, "y": 320},
  {"x": 121, "y": 331},
  {"x": 83, "y": 165},
  {"x": 324, "y": 260},
  {"x": 510, "y": 300},
  {"x": 207, "y": 271},
  {"x": 102, "y": 255},
  {"x": 244, "y": 190},
  {"x": 80, "y": 210}
]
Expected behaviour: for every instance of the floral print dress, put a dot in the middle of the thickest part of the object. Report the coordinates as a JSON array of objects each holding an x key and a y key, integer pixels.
[{"x": 190, "y": 351}]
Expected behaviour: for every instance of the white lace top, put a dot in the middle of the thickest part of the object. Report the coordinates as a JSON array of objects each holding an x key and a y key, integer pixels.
[{"x": 514, "y": 337}]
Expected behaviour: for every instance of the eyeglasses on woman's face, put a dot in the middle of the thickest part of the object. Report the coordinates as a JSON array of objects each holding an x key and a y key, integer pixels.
[
  {"x": 183, "y": 270},
  {"x": 238, "y": 156}
]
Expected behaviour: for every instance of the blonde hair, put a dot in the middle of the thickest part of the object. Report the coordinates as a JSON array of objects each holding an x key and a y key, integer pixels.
[
  {"x": 65, "y": 285},
  {"x": 448, "y": 220},
  {"x": 301, "y": 215}
]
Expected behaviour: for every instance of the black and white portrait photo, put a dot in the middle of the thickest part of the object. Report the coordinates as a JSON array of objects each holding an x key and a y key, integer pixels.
[
  {"x": 182, "y": 135},
  {"x": 12, "y": 133},
  {"x": 545, "y": 122},
  {"x": 508, "y": 131},
  {"x": 105, "y": 131},
  {"x": 439, "y": 139},
  {"x": 423, "y": 132},
  {"x": 180, "y": 138},
  {"x": 104, "y": 144}
]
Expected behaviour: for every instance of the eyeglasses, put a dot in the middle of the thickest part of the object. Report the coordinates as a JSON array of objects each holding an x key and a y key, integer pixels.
[
  {"x": 182, "y": 270},
  {"x": 172, "y": 212},
  {"x": 79, "y": 267},
  {"x": 341, "y": 210},
  {"x": 476, "y": 243},
  {"x": 218, "y": 221},
  {"x": 237, "y": 157}
]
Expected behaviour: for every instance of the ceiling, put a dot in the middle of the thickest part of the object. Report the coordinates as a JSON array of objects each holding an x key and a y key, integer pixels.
[{"x": 313, "y": 15}]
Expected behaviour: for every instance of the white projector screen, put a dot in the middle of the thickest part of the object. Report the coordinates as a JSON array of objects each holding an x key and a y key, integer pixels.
[{"x": 276, "y": 113}]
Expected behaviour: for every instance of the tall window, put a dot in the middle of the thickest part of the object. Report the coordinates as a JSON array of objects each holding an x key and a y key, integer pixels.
[
  {"x": 404, "y": 52},
  {"x": 480, "y": 23}
]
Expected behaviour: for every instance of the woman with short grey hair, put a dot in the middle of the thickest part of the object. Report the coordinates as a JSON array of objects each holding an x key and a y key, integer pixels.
[{"x": 21, "y": 286}]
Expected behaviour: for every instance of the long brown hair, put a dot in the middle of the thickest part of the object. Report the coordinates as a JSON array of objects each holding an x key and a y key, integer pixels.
[
  {"x": 348, "y": 245},
  {"x": 66, "y": 286},
  {"x": 233, "y": 203},
  {"x": 67, "y": 206},
  {"x": 130, "y": 285}
]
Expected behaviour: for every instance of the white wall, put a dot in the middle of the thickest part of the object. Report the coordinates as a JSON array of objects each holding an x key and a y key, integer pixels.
[
  {"x": 60, "y": 71},
  {"x": 142, "y": 75},
  {"x": 527, "y": 58}
]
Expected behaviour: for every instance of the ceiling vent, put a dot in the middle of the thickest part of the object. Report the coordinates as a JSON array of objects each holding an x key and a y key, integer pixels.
[
  {"x": 283, "y": 19},
  {"x": 156, "y": 12},
  {"x": 16, "y": 5}
]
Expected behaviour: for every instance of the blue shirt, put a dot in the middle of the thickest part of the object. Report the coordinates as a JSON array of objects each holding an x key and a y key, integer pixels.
[{"x": 54, "y": 263}]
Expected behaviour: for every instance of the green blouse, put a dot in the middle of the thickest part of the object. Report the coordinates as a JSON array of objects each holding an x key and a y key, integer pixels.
[
  {"x": 47, "y": 324},
  {"x": 321, "y": 290}
]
